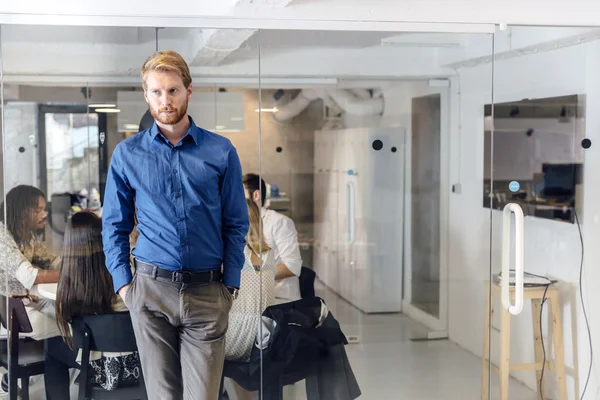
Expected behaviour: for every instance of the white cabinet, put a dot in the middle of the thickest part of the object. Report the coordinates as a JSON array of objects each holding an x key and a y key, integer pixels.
[{"x": 359, "y": 191}]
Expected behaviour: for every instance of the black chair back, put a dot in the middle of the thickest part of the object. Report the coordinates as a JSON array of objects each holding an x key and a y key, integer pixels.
[
  {"x": 16, "y": 311},
  {"x": 108, "y": 332},
  {"x": 105, "y": 333},
  {"x": 21, "y": 357}
]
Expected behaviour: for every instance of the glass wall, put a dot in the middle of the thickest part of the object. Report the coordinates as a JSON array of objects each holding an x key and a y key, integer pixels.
[
  {"x": 386, "y": 158},
  {"x": 363, "y": 155},
  {"x": 71, "y": 97},
  {"x": 538, "y": 185}
]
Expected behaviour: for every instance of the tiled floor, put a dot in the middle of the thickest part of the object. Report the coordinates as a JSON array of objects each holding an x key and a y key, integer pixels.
[{"x": 388, "y": 365}]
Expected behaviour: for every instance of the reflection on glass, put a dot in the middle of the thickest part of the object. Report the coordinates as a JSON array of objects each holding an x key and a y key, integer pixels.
[
  {"x": 71, "y": 152},
  {"x": 537, "y": 156},
  {"x": 425, "y": 194}
]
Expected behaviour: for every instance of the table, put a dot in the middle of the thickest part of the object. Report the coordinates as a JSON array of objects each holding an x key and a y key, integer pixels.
[{"x": 47, "y": 290}]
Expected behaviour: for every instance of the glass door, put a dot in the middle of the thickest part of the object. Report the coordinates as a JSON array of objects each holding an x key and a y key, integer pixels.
[
  {"x": 537, "y": 137},
  {"x": 71, "y": 148},
  {"x": 377, "y": 153}
]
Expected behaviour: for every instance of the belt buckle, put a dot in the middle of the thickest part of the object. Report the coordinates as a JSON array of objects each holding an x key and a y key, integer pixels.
[{"x": 182, "y": 276}]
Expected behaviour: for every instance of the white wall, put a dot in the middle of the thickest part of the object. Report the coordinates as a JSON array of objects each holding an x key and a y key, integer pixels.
[{"x": 552, "y": 248}]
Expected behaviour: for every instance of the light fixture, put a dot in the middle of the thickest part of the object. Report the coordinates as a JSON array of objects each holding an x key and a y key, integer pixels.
[
  {"x": 220, "y": 127},
  {"x": 108, "y": 110},
  {"x": 101, "y": 105},
  {"x": 227, "y": 130},
  {"x": 237, "y": 119},
  {"x": 267, "y": 110},
  {"x": 132, "y": 127}
]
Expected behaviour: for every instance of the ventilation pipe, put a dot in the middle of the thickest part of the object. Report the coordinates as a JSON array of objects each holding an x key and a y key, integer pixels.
[
  {"x": 354, "y": 106},
  {"x": 360, "y": 103},
  {"x": 296, "y": 105}
]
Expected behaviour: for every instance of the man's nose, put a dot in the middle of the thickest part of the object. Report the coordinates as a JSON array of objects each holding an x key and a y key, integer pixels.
[{"x": 165, "y": 100}]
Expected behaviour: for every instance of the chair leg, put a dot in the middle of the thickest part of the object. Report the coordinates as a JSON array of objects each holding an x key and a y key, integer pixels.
[
  {"x": 25, "y": 388},
  {"x": 13, "y": 387},
  {"x": 272, "y": 389}
]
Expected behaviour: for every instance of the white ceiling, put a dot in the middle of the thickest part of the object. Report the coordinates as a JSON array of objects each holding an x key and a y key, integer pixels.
[
  {"x": 113, "y": 55},
  {"x": 303, "y": 14}
]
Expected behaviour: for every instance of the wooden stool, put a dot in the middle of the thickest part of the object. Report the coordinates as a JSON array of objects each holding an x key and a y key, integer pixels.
[{"x": 535, "y": 294}]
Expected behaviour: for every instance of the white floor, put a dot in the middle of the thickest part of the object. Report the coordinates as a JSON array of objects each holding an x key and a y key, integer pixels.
[{"x": 388, "y": 365}]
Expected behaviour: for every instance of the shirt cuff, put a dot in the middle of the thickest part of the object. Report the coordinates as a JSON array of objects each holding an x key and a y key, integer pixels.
[
  {"x": 26, "y": 274},
  {"x": 231, "y": 277},
  {"x": 121, "y": 277}
]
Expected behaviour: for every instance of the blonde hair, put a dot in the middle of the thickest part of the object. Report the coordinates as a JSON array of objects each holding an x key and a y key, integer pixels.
[
  {"x": 167, "y": 60},
  {"x": 255, "y": 240}
]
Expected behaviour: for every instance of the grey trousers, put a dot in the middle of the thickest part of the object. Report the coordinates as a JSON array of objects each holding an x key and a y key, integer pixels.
[{"x": 180, "y": 331}]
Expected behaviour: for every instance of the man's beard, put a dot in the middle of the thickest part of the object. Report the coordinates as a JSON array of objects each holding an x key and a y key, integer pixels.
[{"x": 169, "y": 119}]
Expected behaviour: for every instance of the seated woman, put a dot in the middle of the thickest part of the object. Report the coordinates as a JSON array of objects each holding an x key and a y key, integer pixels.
[
  {"x": 85, "y": 288},
  {"x": 28, "y": 261},
  {"x": 247, "y": 308}
]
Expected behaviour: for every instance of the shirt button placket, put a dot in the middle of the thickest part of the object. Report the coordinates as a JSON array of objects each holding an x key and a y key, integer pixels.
[{"x": 179, "y": 203}]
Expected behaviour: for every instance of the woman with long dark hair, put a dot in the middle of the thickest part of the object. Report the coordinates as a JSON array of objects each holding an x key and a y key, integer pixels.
[
  {"x": 27, "y": 260},
  {"x": 85, "y": 288}
]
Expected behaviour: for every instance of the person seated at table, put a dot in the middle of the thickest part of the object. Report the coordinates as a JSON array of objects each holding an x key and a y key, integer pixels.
[
  {"x": 281, "y": 235},
  {"x": 247, "y": 308},
  {"x": 85, "y": 287},
  {"x": 28, "y": 261}
]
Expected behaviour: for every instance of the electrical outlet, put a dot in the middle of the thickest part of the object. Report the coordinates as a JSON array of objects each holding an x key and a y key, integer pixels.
[{"x": 353, "y": 339}]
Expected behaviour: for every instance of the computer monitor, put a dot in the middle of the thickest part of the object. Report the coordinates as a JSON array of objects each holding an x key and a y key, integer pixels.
[{"x": 560, "y": 180}]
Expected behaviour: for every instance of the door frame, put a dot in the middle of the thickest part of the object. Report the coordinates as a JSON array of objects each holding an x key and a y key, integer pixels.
[
  {"x": 437, "y": 327},
  {"x": 44, "y": 109}
]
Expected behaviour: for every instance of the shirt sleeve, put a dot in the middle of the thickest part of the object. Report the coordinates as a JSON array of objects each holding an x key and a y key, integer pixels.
[
  {"x": 26, "y": 274},
  {"x": 117, "y": 221},
  {"x": 12, "y": 260},
  {"x": 234, "y": 214},
  {"x": 286, "y": 241}
]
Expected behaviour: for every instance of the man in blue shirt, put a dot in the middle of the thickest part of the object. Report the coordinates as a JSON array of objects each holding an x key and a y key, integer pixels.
[{"x": 185, "y": 186}]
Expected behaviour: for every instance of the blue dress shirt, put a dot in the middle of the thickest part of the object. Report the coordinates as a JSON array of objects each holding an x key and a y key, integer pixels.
[{"x": 190, "y": 202}]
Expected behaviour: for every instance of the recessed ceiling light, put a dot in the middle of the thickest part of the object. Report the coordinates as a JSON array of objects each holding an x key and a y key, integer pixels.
[
  {"x": 268, "y": 110},
  {"x": 107, "y": 110},
  {"x": 132, "y": 126},
  {"x": 220, "y": 127},
  {"x": 237, "y": 119},
  {"x": 101, "y": 105}
]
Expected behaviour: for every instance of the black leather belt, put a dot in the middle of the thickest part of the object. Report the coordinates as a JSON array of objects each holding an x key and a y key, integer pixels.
[{"x": 208, "y": 276}]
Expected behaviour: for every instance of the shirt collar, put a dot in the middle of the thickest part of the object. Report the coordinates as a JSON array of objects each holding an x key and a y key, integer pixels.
[{"x": 193, "y": 131}]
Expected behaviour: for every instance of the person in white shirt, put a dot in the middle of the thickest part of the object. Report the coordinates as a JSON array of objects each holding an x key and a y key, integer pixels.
[
  {"x": 28, "y": 261},
  {"x": 281, "y": 236}
]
